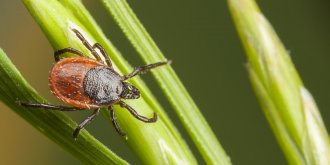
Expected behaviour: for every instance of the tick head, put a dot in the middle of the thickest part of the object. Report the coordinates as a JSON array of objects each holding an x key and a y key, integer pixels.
[{"x": 129, "y": 91}]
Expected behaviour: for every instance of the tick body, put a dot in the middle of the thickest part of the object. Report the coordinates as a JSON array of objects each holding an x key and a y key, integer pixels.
[{"x": 86, "y": 83}]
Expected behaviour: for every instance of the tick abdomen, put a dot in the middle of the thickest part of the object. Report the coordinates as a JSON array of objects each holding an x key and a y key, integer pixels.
[
  {"x": 66, "y": 81},
  {"x": 103, "y": 85}
]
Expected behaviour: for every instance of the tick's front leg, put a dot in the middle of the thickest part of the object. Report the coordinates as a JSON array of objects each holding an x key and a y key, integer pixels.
[
  {"x": 146, "y": 68},
  {"x": 114, "y": 121}
]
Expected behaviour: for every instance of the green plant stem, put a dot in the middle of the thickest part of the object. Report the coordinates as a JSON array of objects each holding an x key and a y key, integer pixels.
[
  {"x": 185, "y": 107},
  {"x": 55, "y": 125},
  {"x": 287, "y": 104},
  {"x": 153, "y": 143}
]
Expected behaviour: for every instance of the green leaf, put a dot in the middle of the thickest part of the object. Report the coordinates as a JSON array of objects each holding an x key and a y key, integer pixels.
[
  {"x": 55, "y": 125},
  {"x": 185, "y": 107},
  {"x": 287, "y": 104}
]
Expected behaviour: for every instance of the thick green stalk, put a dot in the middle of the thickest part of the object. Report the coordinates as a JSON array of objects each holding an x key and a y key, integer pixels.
[
  {"x": 55, "y": 125},
  {"x": 153, "y": 143},
  {"x": 287, "y": 104},
  {"x": 185, "y": 107}
]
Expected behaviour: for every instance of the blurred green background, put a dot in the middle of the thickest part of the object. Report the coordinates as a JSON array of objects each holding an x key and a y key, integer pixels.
[{"x": 200, "y": 38}]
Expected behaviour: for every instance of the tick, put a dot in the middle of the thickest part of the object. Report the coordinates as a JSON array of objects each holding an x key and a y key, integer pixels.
[{"x": 86, "y": 83}]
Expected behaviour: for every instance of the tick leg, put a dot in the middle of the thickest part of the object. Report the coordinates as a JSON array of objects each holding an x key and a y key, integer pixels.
[
  {"x": 60, "y": 52},
  {"x": 48, "y": 106},
  {"x": 87, "y": 45},
  {"x": 136, "y": 115},
  {"x": 104, "y": 53},
  {"x": 114, "y": 121},
  {"x": 146, "y": 68},
  {"x": 85, "y": 122}
]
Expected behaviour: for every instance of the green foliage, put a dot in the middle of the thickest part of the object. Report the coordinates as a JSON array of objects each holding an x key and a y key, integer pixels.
[{"x": 287, "y": 104}]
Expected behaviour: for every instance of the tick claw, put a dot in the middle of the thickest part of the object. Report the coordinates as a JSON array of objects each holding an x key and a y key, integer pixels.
[{"x": 154, "y": 118}]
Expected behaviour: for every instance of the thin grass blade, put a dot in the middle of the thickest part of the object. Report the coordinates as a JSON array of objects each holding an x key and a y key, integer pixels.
[{"x": 287, "y": 104}]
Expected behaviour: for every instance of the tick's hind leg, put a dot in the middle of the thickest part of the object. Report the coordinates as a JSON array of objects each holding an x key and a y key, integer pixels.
[
  {"x": 48, "y": 106},
  {"x": 87, "y": 45},
  {"x": 146, "y": 68},
  {"x": 85, "y": 122},
  {"x": 136, "y": 115},
  {"x": 60, "y": 52},
  {"x": 104, "y": 53},
  {"x": 114, "y": 121}
]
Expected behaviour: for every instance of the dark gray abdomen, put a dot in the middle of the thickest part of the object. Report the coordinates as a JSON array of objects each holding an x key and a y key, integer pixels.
[{"x": 103, "y": 85}]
